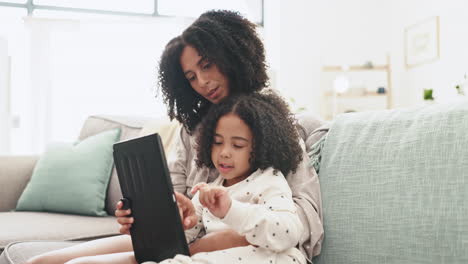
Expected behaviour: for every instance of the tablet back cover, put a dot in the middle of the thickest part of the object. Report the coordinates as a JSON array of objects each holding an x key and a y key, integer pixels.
[{"x": 157, "y": 232}]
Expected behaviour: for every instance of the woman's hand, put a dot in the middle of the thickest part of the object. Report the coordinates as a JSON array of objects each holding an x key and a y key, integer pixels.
[
  {"x": 186, "y": 210},
  {"x": 215, "y": 198},
  {"x": 124, "y": 218},
  {"x": 218, "y": 241}
]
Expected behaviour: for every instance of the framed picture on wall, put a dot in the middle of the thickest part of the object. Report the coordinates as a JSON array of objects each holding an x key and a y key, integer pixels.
[{"x": 422, "y": 42}]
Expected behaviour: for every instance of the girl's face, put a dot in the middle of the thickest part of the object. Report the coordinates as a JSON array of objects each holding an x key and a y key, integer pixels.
[
  {"x": 204, "y": 76},
  {"x": 231, "y": 149}
]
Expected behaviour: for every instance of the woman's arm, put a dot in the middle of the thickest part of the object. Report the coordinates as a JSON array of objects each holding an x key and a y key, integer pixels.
[
  {"x": 305, "y": 189},
  {"x": 187, "y": 213},
  {"x": 179, "y": 163}
]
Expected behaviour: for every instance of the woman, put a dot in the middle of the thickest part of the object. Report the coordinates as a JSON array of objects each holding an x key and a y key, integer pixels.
[{"x": 219, "y": 55}]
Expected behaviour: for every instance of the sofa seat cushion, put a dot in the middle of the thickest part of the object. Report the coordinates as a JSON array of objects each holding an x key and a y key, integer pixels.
[
  {"x": 19, "y": 252},
  {"x": 20, "y": 226}
]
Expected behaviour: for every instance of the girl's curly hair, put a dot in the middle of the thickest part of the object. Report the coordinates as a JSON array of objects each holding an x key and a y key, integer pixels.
[
  {"x": 275, "y": 138},
  {"x": 224, "y": 38}
]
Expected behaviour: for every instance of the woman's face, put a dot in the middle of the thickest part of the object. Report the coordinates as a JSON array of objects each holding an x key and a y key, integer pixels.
[{"x": 204, "y": 76}]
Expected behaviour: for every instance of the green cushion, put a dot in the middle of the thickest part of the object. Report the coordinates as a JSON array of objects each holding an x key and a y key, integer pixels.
[
  {"x": 394, "y": 187},
  {"x": 72, "y": 178}
]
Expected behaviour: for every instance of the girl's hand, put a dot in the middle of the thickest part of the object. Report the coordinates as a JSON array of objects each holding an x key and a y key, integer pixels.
[
  {"x": 124, "y": 218},
  {"x": 215, "y": 198}
]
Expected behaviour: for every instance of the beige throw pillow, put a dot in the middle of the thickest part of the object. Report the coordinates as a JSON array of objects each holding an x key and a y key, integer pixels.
[{"x": 168, "y": 130}]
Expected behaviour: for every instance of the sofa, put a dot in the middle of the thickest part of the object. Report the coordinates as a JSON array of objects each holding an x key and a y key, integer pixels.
[{"x": 394, "y": 187}]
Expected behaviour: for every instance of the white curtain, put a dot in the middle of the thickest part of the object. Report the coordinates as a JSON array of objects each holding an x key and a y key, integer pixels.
[
  {"x": 12, "y": 77},
  {"x": 5, "y": 108}
]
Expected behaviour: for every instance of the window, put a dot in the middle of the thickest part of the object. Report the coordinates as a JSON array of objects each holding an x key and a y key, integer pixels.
[
  {"x": 16, "y": 1},
  {"x": 136, "y": 6},
  {"x": 252, "y": 9}
]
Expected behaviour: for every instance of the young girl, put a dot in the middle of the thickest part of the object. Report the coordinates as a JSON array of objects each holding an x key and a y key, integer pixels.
[{"x": 254, "y": 144}]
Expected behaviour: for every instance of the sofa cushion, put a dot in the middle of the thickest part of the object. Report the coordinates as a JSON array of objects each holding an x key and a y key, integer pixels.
[
  {"x": 167, "y": 130},
  {"x": 394, "y": 187},
  {"x": 51, "y": 226},
  {"x": 72, "y": 178}
]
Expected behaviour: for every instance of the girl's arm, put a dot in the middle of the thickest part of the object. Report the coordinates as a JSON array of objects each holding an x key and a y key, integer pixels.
[
  {"x": 218, "y": 241},
  {"x": 214, "y": 241},
  {"x": 217, "y": 200},
  {"x": 273, "y": 223}
]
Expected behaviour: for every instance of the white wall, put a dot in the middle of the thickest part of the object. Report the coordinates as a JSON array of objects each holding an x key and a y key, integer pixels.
[
  {"x": 293, "y": 49},
  {"x": 440, "y": 75},
  {"x": 353, "y": 32}
]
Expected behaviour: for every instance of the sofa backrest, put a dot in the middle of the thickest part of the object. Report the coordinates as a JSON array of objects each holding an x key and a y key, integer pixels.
[{"x": 394, "y": 186}]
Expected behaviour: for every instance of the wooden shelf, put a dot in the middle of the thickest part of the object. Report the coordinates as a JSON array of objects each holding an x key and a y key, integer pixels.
[
  {"x": 371, "y": 100},
  {"x": 367, "y": 94},
  {"x": 354, "y": 68}
]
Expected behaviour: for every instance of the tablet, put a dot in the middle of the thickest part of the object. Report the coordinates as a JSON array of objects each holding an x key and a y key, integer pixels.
[{"x": 157, "y": 233}]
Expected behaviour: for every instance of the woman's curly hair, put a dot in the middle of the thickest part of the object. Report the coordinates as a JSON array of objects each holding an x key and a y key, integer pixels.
[
  {"x": 275, "y": 138},
  {"x": 224, "y": 38}
]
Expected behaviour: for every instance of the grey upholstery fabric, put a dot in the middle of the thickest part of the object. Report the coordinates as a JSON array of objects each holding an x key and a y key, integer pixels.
[
  {"x": 18, "y": 253},
  {"x": 49, "y": 226},
  {"x": 130, "y": 128},
  {"x": 15, "y": 172}
]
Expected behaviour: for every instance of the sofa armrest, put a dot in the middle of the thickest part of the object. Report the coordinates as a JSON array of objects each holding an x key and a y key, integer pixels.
[{"x": 15, "y": 172}]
